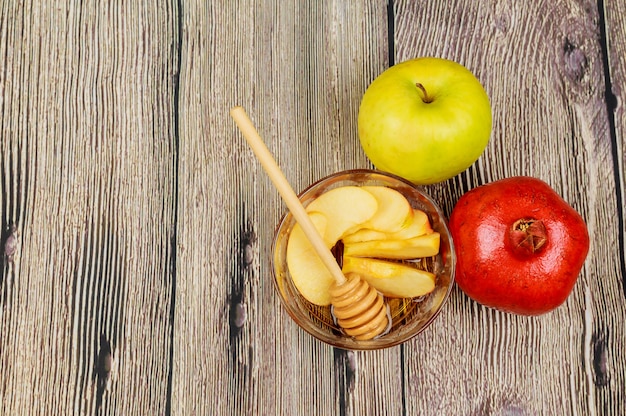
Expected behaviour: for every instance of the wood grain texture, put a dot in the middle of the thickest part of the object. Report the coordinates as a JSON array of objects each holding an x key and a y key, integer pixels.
[
  {"x": 137, "y": 226},
  {"x": 615, "y": 35},
  {"x": 542, "y": 66},
  {"x": 606, "y": 365},
  {"x": 88, "y": 181},
  {"x": 289, "y": 65}
]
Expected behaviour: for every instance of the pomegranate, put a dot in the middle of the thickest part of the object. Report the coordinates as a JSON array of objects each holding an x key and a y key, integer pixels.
[{"x": 520, "y": 247}]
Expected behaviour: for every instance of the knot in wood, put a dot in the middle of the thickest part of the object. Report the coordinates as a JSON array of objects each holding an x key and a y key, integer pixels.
[{"x": 575, "y": 61}]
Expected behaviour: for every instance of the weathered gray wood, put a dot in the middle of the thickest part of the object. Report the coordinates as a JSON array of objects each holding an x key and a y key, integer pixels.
[
  {"x": 134, "y": 219},
  {"x": 610, "y": 372},
  {"x": 299, "y": 69},
  {"x": 88, "y": 156},
  {"x": 542, "y": 65}
]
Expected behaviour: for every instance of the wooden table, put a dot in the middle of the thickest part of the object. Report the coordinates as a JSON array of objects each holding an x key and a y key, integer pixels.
[{"x": 137, "y": 225}]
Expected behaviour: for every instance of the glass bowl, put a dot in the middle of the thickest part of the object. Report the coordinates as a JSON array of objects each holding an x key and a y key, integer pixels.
[{"x": 409, "y": 316}]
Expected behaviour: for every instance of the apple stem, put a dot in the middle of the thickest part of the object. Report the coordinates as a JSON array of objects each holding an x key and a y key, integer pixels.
[
  {"x": 425, "y": 97},
  {"x": 528, "y": 235}
]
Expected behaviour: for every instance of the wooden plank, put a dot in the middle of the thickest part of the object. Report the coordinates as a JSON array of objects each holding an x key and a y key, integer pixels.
[
  {"x": 299, "y": 69},
  {"x": 135, "y": 221},
  {"x": 610, "y": 380},
  {"x": 542, "y": 65},
  {"x": 88, "y": 179}
]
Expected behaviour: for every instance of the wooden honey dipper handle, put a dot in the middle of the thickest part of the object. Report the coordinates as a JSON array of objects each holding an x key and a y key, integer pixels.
[
  {"x": 360, "y": 310},
  {"x": 286, "y": 192}
]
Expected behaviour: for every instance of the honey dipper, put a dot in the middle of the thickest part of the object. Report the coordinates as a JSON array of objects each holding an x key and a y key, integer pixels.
[{"x": 358, "y": 307}]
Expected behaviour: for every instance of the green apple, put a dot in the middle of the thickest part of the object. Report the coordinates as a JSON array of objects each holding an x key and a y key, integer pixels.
[
  {"x": 425, "y": 119},
  {"x": 389, "y": 278}
]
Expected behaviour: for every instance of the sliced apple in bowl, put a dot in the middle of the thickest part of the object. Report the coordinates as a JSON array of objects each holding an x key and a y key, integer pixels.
[
  {"x": 394, "y": 211},
  {"x": 390, "y": 278},
  {"x": 308, "y": 273},
  {"x": 345, "y": 208},
  {"x": 404, "y": 233},
  {"x": 331, "y": 218},
  {"x": 418, "y": 225},
  {"x": 346, "y": 212},
  {"x": 423, "y": 246}
]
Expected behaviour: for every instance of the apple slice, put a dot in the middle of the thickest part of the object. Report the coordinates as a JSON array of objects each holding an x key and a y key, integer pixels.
[
  {"x": 419, "y": 225},
  {"x": 308, "y": 272},
  {"x": 391, "y": 279},
  {"x": 394, "y": 210},
  {"x": 345, "y": 208},
  {"x": 423, "y": 246},
  {"x": 364, "y": 234}
]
